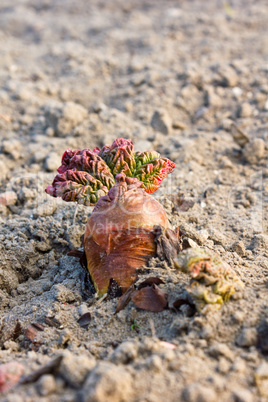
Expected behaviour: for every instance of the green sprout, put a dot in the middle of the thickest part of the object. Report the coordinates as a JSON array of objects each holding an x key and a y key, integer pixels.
[{"x": 135, "y": 326}]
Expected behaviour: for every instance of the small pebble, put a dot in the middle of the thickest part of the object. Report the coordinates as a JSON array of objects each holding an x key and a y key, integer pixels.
[
  {"x": 179, "y": 125},
  {"x": 161, "y": 121},
  {"x": 47, "y": 208},
  {"x": 46, "y": 385},
  {"x": 198, "y": 393},
  {"x": 225, "y": 163},
  {"x": 125, "y": 353},
  {"x": 74, "y": 369},
  {"x": 229, "y": 76},
  {"x": 254, "y": 151},
  {"x": 239, "y": 248},
  {"x": 12, "y": 147},
  {"x": 154, "y": 363},
  {"x": 82, "y": 309},
  {"x": 260, "y": 242},
  {"x": 239, "y": 136},
  {"x": 52, "y": 162},
  {"x": 11, "y": 345},
  {"x": 242, "y": 395},
  {"x": 217, "y": 236},
  {"x": 261, "y": 378},
  {"x": 223, "y": 366},
  {"x": 220, "y": 349},
  {"x": 108, "y": 383},
  {"x": 8, "y": 198},
  {"x": 245, "y": 110},
  {"x": 10, "y": 374},
  {"x": 237, "y": 91},
  {"x": 64, "y": 337},
  {"x": 247, "y": 338}
]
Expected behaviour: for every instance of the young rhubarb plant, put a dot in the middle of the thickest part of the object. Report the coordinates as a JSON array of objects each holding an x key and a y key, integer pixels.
[
  {"x": 127, "y": 226},
  {"x": 212, "y": 280}
]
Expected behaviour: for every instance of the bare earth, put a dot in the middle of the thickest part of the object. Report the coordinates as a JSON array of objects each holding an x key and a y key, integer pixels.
[{"x": 79, "y": 74}]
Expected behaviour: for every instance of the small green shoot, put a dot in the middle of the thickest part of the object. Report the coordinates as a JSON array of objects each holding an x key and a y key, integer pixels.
[{"x": 135, "y": 326}]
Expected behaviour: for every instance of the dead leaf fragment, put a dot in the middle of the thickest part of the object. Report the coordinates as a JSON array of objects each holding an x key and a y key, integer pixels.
[
  {"x": 75, "y": 253},
  {"x": 150, "y": 281},
  {"x": 17, "y": 330},
  {"x": 150, "y": 298},
  {"x": 124, "y": 299},
  {"x": 191, "y": 310},
  {"x": 38, "y": 326},
  {"x": 52, "y": 322},
  {"x": 167, "y": 243},
  {"x": 30, "y": 333},
  {"x": 239, "y": 136},
  {"x": 168, "y": 345},
  {"x": 5, "y": 117},
  {"x": 84, "y": 320}
]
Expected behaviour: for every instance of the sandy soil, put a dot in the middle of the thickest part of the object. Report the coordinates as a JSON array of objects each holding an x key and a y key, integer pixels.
[{"x": 190, "y": 80}]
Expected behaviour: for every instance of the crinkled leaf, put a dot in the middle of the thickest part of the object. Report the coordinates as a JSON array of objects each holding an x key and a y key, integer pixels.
[
  {"x": 77, "y": 186},
  {"x": 142, "y": 158},
  {"x": 87, "y": 161},
  {"x": 85, "y": 175},
  {"x": 119, "y": 157},
  {"x": 77, "y": 160},
  {"x": 213, "y": 280},
  {"x": 147, "y": 167},
  {"x": 151, "y": 169}
]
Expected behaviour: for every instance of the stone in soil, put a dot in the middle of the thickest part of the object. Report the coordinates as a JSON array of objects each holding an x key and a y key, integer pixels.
[
  {"x": 107, "y": 382},
  {"x": 161, "y": 121}
]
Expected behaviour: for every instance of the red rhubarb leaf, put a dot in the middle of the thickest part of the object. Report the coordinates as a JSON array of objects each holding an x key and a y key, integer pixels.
[
  {"x": 119, "y": 157},
  {"x": 151, "y": 169},
  {"x": 77, "y": 186}
]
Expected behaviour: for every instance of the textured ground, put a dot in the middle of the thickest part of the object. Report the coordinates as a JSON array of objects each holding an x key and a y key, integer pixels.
[{"x": 190, "y": 80}]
